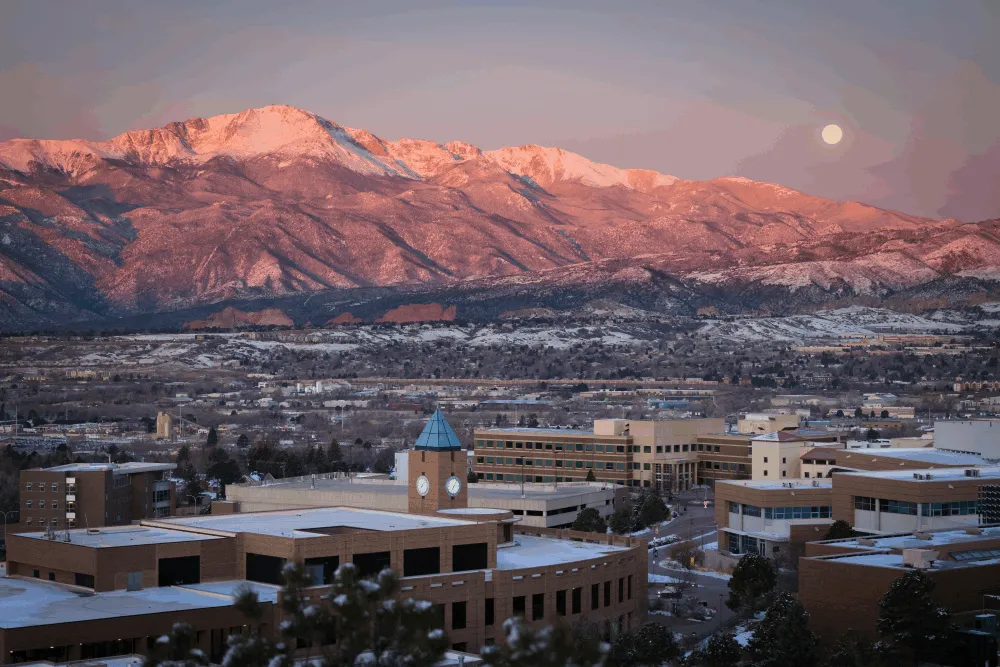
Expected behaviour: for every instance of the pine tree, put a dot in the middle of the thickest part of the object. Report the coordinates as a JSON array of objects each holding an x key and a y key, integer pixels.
[
  {"x": 853, "y": 651},
  {"x": 910, "y": 620},
  {"x": 839, "y": 530},
  {"x": 176, "y": 649},
  {"x": 649, "y": 646},
  {"x": 364, "y": 624},
  {"x": 783, "y": 637},
  {"x": 590, "y": 521},
  {"x": 213, "y": 437},
  {"x": 722, "y": 650},
  {"x": 590, "y": 476},
  {"x": 243, "y": 441},
  {"x": 554, "y": 646},
  {"x": 753, "y": 578}
]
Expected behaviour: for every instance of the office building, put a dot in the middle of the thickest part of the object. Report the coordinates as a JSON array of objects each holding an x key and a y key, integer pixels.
[
  {"x": 88, "y": 593},
  {"x": 842, "y": 581},
  {"x": 87, "y": 495},
  {"x": 647, "y": 454}
]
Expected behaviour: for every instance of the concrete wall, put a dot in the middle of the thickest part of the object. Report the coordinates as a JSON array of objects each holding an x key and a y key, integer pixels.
[{"x": 975, "y": 436}]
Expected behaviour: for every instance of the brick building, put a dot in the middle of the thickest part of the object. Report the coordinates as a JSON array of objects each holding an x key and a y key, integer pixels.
[
  {"x": 842, "y": 581},
  {"x": 648, "y": 454},
  {"x": 114, "y": 590},
  {"x": 87, "y": 495},
  {"x": 779, "y": 517}
]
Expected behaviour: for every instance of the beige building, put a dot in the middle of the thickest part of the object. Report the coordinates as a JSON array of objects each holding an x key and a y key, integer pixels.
[
  {"x": 96, "y": 593},
  {"x": 778, "y": 455},
  {"x": 164, "y": 426},
  {"x": 765, "y": 422},
  {"x": 650, "y": 454}
]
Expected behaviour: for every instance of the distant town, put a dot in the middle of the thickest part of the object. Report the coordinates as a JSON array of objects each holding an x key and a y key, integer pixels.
[{"x": 689, "y": 491}]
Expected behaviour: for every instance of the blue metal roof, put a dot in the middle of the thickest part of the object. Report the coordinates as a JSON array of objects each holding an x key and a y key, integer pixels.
[{"x": 438, "y": 435}]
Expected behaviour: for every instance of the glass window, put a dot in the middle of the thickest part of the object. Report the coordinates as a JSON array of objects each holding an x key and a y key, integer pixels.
[
  {"x": 751, "y": 510},
  {"x": 647, "y": 449},
  {"x": 898, "y": 507},
  {"x": 734, "y": 508},
  {"x": 600, "y": 448},
  {"x": 864, "y": 503}
]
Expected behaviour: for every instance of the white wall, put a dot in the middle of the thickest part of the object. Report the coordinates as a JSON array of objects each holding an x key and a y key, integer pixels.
[
  {"x": 976, "y": 436},
  {"x": 403, "y": 466}
]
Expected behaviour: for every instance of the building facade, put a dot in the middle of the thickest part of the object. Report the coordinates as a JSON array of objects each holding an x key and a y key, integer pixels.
[
  {"x": 88, "y": 495},
  {"x": 647, "y": 454}
]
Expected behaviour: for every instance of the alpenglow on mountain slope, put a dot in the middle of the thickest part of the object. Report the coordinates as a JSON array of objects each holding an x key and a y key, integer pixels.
[{"x": 271, "y": 204}]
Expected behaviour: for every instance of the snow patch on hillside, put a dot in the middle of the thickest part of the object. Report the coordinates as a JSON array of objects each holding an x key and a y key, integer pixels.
[{"x": 850, "y": 323}]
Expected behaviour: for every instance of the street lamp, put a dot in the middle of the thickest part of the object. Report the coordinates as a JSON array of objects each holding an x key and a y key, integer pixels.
[{"x": 12, "y": 512}]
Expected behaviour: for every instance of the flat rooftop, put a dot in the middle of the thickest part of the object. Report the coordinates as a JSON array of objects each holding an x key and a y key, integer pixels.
[
  {"x": 895, "y": 560},
  {"x": 123, "y": 536},
  {"x": 308, "y": 522},
  {"x": 29, "y": 602},
  {"x": 478, "y": 493},
  {"x": 541, "y": 431},
  {"x": 530, "y": 551},
  {"x": 922, "y": 454},
  {"x": 798, "y": 484},
  {"x": 936, "y": 474},
  {"x": 909, "y": 541},
  {"x": 120, "y": 468}
]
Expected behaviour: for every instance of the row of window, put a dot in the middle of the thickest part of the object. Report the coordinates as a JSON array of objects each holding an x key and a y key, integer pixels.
[
  {"x": 581, "y": 447},
  {"x": 52, "y": 505},
  {"x": 549, "y": 463},
  {"x": 42, "y": 486},
  {"x": 558, "y": 446},
  {"x": 546, "y": 479},
  {"x": 575, "y": 597},
  {"x": 867, "y": 504},
  {"x": 715, "y": 465},
  {"x": 955, "y": 508},
  {"x": 43, "y": 522},
  {"x": 783, "y": 513}
]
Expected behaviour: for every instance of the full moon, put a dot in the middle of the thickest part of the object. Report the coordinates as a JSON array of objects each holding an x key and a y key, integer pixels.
[{"x": 832, "y": 134}]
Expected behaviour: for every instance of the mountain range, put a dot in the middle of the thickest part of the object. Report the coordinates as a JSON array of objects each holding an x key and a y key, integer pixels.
[{"x": 280, "y": 210}]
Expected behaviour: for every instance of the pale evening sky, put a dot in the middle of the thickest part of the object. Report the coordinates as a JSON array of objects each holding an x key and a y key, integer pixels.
[{"x": 694, "y": 88}]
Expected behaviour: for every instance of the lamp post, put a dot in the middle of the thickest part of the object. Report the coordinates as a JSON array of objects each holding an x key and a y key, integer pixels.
[{"x": 11, "y": 512}]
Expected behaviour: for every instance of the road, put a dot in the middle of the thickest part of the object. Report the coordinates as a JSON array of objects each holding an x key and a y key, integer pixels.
[{"x": 696, "y": 523}]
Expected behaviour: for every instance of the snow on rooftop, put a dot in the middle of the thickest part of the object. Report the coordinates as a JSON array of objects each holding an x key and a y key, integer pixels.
[
  {"x": 123, "y": 536},
  {"x": 540, "y": 431},
  {"x": 472, "y": 510},
  {"x": 937, "y": 538},
  {"x": 922, "y": 454},
  {"x": 130, "y": 467},
  {"x": 530, "y": 551},
  {"x": 797, "y": 484},
  {"x": 297, "y": 523},
  {"x": 877, "y": 560},
  {"x": 27, "y": 602},
  {"x": 930, "y": 475}
]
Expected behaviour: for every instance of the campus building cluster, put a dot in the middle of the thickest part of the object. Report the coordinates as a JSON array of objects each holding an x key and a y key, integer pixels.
[{"x": 93, "y": 592}]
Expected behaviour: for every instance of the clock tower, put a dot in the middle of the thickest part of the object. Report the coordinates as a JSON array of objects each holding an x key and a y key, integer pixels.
[{"x": 437, "y": 469}]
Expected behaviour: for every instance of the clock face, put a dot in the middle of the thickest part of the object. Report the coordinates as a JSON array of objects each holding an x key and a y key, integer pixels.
[
  {"x": 423, "y": 485},
  {"x": 453, "y": 486}
]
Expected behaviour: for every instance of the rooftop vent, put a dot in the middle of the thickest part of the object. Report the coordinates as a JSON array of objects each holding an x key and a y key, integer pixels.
[
  {"x": 973, "y": 530},
  {"x": 972, "y": 472},
  {"x": 920, "y": 559},
  {"x": 866, "y": 542},
  {"x": 93, "y": 531},
  {"x": 922, "y": 536},
  {"x": 816, "y": 482}
]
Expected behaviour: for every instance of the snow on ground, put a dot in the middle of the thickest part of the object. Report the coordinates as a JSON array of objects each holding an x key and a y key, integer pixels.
[
  {"x": 840, "y": 324},
  {"x": 714, "y": 546},
  {"x": 674, "y": 566},
  {"x": 742, "y": 635},
  {"x": 663, "y": 579}
]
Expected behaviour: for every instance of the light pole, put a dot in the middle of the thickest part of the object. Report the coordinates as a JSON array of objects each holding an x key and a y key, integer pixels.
[{"x": 12, "y": 512}]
